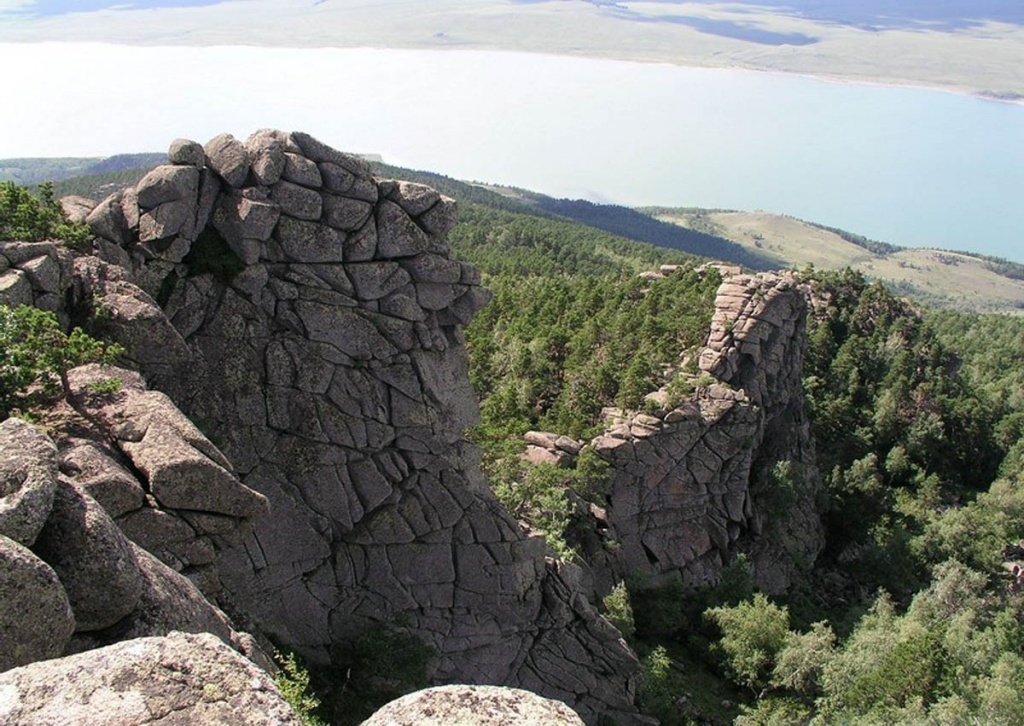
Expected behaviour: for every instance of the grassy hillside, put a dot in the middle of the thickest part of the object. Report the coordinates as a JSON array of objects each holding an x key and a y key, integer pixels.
[{"x": 957, "y": 280}]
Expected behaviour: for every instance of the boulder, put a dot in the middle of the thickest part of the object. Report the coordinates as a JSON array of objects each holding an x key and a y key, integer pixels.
[
  {"x": 185, "y": 152},
  {"x": 28, "y": 480},
  {"x": 297, "y": 201},
  {"x": 15, "y": 288},
  {"x": 300, "y": 170},
  {"x": 177, "y": 679},
  {"x": 227, "y": 156},
  {"x": 167, "y": 183},
  {"x": 107, "y": 220},
  {"x": 167, "y": 602},
  {"x": 266, "y": 150},
  {"x": 35, "y": 616},
  {"x": 77, "y": 208},
  {"x": 474, "y": 706},
  {"x": 95, "y": 470},
  {"x": 94, "y": 561},
  {"x": 344, "y": 213}
]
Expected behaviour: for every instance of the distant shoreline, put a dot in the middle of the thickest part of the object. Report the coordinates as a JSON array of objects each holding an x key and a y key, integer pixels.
[
  {"x": 981, "y": 59},
  {"x": 1007, "y": 97}
]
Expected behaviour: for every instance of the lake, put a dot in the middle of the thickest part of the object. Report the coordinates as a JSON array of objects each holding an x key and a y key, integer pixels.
[{"x": 909, "y": 166}]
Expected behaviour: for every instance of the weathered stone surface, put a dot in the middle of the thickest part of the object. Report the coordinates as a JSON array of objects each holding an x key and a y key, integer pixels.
[
  {"x": 245, "y": 224},
  {"x": 374, "y": 280},
  {"x": 28, "y": 480},
  {"x": 477, "y": 705},
  {"x": 397, "y": 235},
  {"x": 336, "y": 178},
  {"x": 266, "y": 150},
  {"x": 186, "y": 152},
  {"x": 227, "y": 156},
  {"x": 94, "y": 469},
  {"x": 107, "y": 220},
  {"x": 300, "y": 170},
  {"x": 131, "y": 316},
  {"x": 43, "y": 273},
  {"x": 319, "y": 152},
  {"x": 309, "y": 242},
  {"x": 167, "y": 602},
  {"x": 433, "y": 268},
  {"x": 35, "y": 617},
  {"x": 178, "y": 679},
  {"x": 183, "y": 469},
  {"x": 77, "y": 208},
  {"x": 415, "y": 199},
  {"x": 167, "y": 184},
  {"x": 344, "y": 213},
  {"x": 441, "y": 218},
  {"x": 15, "y": 288},
  {"x": 93, "y": 560},
  {"x": 297, "y": 201}
]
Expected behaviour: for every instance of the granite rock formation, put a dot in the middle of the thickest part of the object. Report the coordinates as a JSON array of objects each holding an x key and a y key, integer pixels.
[
  {"x": 70, "y": 580},
  {"x": 308, "y": 316},
  {"x": 177, "y": 679},
  {"x": 692, "y": 480}
]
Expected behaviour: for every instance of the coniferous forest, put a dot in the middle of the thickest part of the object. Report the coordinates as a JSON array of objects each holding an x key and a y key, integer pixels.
[{"x": 909, "y": 615}]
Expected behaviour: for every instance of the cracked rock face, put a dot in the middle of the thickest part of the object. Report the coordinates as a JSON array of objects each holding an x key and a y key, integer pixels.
[
  {"x": 687, "y": 481},
  {"x": 328, "y": 365}
]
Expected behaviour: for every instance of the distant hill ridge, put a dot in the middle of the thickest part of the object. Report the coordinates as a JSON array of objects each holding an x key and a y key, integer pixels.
[
  {"x": 758, "y": 241},
  {"x": 34, "y": 171}
]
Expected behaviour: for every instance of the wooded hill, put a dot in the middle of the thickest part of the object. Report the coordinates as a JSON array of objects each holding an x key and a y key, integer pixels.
[{"x": 909, "y": 614}]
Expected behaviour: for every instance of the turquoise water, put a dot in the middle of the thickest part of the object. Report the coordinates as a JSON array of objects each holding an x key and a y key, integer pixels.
[{"x": 903, "y": 165}]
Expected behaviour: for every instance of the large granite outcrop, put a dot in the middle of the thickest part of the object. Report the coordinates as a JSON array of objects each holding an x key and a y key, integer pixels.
[
  {"x": 309, "y": 316},
  {"x": 176, "y": 679},
  {"x": 729, "y": 468}
]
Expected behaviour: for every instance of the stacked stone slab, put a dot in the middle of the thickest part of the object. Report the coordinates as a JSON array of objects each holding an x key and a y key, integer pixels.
[
  {"x": 35, "y": 274},
  {"x": 328, "y": 365},
  {"x": 687, "y": 478},
  {"x": 69, "y": 578}
]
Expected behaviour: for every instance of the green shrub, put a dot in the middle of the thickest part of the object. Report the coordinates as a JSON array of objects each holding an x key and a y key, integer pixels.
[
  {"x": 753, "y": 634},
  {"x": 293, "y": 682},
  {"x": 29, "y": 218},
  {"x": 799, "y": 665},
  {"x": 659, "y": 688},
  {"x": 37, "y": 354},
  {"x": 619, "y": 611}
]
